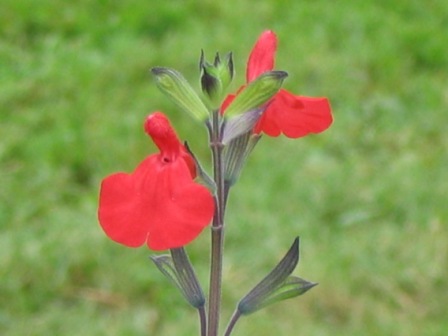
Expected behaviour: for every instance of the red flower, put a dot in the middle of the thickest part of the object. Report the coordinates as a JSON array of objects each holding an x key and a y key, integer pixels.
[
  {"x": 294, "y": 116},
  {"x": 159, "y": 203}
]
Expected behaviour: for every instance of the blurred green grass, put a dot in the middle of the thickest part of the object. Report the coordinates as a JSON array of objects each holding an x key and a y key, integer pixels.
[{"x": 367, "y": 197}]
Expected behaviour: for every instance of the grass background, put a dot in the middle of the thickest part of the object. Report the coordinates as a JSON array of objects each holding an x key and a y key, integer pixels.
[{"x": 367, "y": 197}]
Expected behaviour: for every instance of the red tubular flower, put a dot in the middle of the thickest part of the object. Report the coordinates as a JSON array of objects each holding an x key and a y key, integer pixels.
[
  {"x": 294, "y": 116},
  {"x": 159, "y": 203}
]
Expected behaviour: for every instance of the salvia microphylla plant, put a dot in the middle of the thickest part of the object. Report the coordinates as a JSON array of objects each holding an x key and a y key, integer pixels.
[{"x": 170, "y": 199}]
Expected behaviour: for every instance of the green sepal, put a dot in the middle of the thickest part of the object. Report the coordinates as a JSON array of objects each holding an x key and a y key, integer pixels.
[
  {"x": 177, "y": 88},
  {"x": 201, "y": 173},
  {"x": 239, "y": 141},
  {"x": 235, "y": 155},
  {"x": 256, "y": 93},
  {"x": 178, "y": 270},
  {"x": 240, "y": 124}
]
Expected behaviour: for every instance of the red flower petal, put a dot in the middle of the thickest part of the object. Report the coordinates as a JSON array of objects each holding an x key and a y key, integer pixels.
[
  {"x": 261, "y": 58},
  {"x": 295, "y": 116},
  {"x": 119, "y": 210},
  {"x": 185, "y": 210},
  {"x": 159, "y": 204}
]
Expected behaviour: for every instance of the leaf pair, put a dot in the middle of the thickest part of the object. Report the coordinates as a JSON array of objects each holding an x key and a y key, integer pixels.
[{"x": 278, "y": 285}]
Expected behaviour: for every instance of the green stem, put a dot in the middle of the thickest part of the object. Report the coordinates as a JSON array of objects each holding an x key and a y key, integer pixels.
[
  {"x": 235, "y": 317},
  {"x": 215, "y": 282},
  {"x": 202, "y": 320},
  {"x": 217, "y": 234}
]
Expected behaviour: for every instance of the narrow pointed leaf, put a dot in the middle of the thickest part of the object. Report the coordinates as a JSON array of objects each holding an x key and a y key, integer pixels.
[
  {"x": 255, "y": 299},
  {"x": 202, "y": 175},
  {"x": 291, "y": 288}
]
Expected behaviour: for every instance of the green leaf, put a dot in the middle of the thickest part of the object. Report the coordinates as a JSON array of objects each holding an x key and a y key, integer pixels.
[
  {"x": 291, "y": 288},
  {"x": 278, "y": 285},
  {"x": 201, "y": 174}
]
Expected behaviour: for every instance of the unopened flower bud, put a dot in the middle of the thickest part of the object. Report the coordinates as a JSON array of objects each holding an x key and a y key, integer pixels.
[{"x": 216, "y": 77}]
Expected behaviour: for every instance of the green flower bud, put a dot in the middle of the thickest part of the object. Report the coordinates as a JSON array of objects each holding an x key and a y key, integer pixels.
[{"x": 216, "y": 77}]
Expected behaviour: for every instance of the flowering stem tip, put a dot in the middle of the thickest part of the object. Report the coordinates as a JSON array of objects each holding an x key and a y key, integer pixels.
[{"x": 169, "y": 198}]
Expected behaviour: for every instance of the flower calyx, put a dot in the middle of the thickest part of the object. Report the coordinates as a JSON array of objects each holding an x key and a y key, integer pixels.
[
  {"x": 177, "y": 88},
  {"x": 178, "y": 270},
  {"x": 257, "y": 93}
]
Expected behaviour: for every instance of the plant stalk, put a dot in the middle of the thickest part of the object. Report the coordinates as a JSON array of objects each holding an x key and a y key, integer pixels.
[
  {"x": 202, "y": 320},
  {"x": 217, "y": 233},
  {"x": 235, "y": 317}
]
